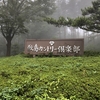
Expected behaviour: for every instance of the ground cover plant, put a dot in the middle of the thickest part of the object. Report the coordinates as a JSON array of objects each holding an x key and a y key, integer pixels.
[{"x": 50, "y": 78}]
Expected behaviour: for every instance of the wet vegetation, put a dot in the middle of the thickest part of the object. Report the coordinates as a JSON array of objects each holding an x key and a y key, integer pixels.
[{"x": 50, "y": 78}]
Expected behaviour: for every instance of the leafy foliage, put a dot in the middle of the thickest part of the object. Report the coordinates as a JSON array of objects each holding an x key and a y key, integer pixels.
[
  {"x": 56, "y": 78},
  {"x": 15, "y": 13},
  {"x": 92, "y": 53}
]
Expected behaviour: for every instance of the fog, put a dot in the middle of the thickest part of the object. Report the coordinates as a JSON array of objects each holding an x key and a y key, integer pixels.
[{"x": 41, "y": 30}]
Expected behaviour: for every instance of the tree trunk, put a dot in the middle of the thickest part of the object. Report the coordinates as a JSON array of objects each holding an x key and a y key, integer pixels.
[{"x": 8, "y": 45}]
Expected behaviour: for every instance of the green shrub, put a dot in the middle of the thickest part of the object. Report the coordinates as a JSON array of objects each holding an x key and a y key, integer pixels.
[
  {"x": 55, "y": 78},
  {"x": 15, "y": 49},
  {"x": 91, "y": 53}
]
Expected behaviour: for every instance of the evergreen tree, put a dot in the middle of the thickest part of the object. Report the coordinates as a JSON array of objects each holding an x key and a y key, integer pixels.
[{"x": 89, "y": 21}]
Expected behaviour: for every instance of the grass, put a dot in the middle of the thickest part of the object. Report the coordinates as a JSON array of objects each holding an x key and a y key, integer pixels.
[{"x": 49, "y": 78}]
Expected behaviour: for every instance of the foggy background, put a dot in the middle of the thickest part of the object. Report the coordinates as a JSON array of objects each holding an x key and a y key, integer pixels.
[{"x": 41, "y": 30}]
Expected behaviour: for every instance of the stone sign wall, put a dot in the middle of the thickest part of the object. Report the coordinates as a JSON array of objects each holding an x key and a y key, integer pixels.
[{"x": 65, "y": 47}]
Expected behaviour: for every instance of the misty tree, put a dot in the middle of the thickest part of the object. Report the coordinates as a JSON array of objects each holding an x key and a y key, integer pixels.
[
  {"x": 42, "y": 29},
  {"x": 89, "y": 21},
  {"x": 14, "y": 14},
  {"x": 68, "y": 8}
]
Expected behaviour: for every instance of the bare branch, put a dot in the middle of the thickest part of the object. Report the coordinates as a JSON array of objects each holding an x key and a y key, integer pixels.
[{"x": 15, "y": 30}]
